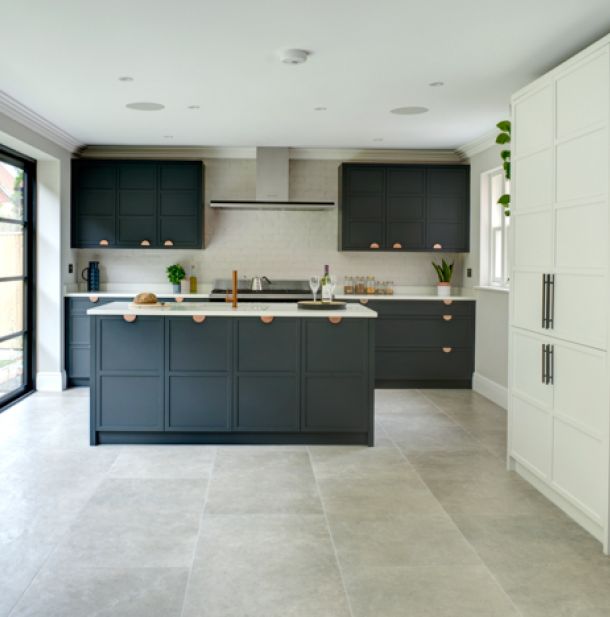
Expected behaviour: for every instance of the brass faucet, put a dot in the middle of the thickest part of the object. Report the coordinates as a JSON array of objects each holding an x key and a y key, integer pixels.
[{"x": 233, "y": 297}]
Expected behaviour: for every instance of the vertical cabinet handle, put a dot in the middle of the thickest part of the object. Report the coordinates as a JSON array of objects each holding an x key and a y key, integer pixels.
[
  {"x": 543, "y": 363},
  {"x": 550, "y": 305},
  {"x": 548, "y": 364}
]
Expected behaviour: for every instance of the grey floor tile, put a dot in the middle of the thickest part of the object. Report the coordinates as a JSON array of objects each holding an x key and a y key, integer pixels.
[
  {"x": 73, "y": 591},
  {"x": 433, "y": 591},
  {"x": 407, "y": 540},
  {"x": 265, "y": 566},
  {"x": 136, "y": 522}
]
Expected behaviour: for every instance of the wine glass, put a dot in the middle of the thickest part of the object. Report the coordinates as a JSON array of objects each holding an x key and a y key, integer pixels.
[
  {"x": 314, "y": 284},
  {"x": 332, "y": 282}
]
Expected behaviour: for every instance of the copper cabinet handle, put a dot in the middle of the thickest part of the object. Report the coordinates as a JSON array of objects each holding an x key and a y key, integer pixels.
[
  {"x": 364, "y": 301},
  {"x": 267, "y": 319},
  {"x": 397, "y": 245},
  {"x": 335, "y": 320},
  {"x": 179, "y": 299},
  {"x": 447, "y": 317},
  {"x": 145, "y": 243},
  {"x": 198, "y": 318},
  {"x": 103, "y": 242},
  {"x": 168, "y": 243},
  {"x": 437, "y": 247},
  {"x": 93, "y": 299},
  {"x": 129, "y": 318},
  {"x": 447, "y": 302},
  {"x": 447, "y": 349},
  {"x": 374, "y": 245}
]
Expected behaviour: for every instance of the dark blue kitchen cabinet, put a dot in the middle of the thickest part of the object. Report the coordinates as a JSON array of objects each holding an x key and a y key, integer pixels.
[
  {"x": 137, "y": 204},
  {"x": 396, "y": 207}
]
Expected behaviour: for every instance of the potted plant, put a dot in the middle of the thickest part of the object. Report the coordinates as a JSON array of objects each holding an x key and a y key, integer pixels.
[
  {"x": 444, "y": 271},
  {"x": 175, "y": 274}
]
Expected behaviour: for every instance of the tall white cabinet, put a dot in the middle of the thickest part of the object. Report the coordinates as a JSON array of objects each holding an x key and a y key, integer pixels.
[{"x": 559, "y": 379}]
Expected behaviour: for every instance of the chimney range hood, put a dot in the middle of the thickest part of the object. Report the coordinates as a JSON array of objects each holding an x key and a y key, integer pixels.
[{"x": 272, "y": 171}]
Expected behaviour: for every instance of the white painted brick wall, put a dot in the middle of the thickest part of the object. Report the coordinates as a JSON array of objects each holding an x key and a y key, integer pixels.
[{"x": 277, "y": 244}]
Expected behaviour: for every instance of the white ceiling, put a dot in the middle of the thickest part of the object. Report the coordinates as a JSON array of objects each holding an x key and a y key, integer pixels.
[{"x": 62, "y": 59}]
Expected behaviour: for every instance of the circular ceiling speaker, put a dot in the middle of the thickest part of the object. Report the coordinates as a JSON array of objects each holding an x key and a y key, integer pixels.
[
  {"x": 409, "y": 111},
  {"x": 293, "y": 56},
  {"x": 145, "y": 106}
]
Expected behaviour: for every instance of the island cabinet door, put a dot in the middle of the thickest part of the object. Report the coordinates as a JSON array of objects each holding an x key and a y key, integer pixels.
[
  {"x": 198, "y": 376},
  {"x": 336, "y": 375},
  {"x": 266, "y": 376},
  {"x": 129, "y": 359}
]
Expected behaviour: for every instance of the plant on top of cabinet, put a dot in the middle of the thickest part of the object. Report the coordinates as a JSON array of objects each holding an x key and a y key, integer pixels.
[
  {"x": 504, "y": 137},
  {"x": 175, "y": 274},
  {"x": 444, "y": 271}
]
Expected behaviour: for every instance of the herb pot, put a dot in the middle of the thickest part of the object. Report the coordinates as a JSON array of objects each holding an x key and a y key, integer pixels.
[
  {"x": 176, "y": 287},
  {"x": 443, "y": 289}
]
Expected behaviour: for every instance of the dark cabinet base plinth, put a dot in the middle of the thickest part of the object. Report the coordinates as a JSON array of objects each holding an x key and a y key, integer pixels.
[
  {"x": 122, "y": 437},
  {"x": 441, "y": 384}
]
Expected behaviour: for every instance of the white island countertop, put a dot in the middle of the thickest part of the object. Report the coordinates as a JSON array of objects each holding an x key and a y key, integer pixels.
[{"x": 221, "y": 309}]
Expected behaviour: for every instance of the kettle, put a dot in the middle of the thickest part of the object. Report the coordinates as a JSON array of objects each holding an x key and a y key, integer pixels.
[
  {"x": 257, "y": 282},
  {"x": 93, "y": 276}
]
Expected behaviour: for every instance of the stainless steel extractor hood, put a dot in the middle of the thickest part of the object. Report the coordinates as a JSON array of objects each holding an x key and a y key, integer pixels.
[{"x": 272, "y": 171}]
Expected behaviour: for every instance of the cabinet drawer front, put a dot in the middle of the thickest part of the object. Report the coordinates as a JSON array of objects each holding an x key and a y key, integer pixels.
[
  {"x": 267, "y": 403},
  {"x": 335, "y": 403},
  {"x": 335, "y": 348},
  {"x": 269, "y": 347},
  {"x": 422, "y": 307},
  {"x": 424, "y": 364},
  {"x": 130, "y": 402},
  {"x": 199, "y": 347},
  {"x": 198, "y": 403},
  {"x": 424, "y": 332},
  {"x": 131, "y": 346}
]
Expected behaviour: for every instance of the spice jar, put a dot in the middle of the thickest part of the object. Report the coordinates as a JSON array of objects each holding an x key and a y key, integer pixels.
[
  {"x": 389, "y": 288},
  {"x": 360, "y": 286},
  {"x": 370, "y": 285},
  {"x": 348, "y": 285}
]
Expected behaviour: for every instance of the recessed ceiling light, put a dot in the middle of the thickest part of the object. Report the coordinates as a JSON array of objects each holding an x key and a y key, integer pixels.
[
  {"x": 320, "y": 108},
  {"x": 409, "y": 111},
  {"x": 436, "y": 84},
  {"x": 193, "y": 107},
  {"x": 125, "y": 78},
  {"x": 378, "y": 139},
  {"x": 145, "y": 106},
  {"x": 168, "y": 136},
  {"x": 293, "y": 56}
]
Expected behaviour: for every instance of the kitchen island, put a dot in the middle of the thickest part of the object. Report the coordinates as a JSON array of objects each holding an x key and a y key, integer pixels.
[{"x": 209, "y": 373}]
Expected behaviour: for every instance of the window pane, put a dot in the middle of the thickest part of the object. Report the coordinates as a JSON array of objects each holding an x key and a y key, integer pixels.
[
  {"x": 497, "y": 187},
  {"x": 11, "y": 307},
  {"x": 498, "y": 255},
  {"x": 11, "y": 249},
  {"x": 11, "y": 365},
  {"x": 496, "y": 215},
  {"x": 11, "y": 191}
]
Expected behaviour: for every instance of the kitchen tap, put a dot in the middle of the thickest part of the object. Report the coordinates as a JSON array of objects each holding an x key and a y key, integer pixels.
[{"x": 233, "y": 297}]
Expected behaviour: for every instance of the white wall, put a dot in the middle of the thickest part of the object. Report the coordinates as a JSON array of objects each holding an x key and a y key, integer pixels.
[
  {"x": 52, "y": 251},
  {"x": 491, "y": 348},
  {"x": 273, "y": 243}
]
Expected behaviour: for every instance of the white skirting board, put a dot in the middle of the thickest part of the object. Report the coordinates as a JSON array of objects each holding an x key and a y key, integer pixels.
[
  {"x": 51, "y": 381},
  {"x": 495, "y": 392}
]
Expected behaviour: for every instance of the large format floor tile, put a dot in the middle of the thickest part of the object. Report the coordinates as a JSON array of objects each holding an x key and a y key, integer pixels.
[{"x": 428, "y": 523}]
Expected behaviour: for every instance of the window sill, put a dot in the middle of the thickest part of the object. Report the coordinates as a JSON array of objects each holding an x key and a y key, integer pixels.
[{"x": 493, "y": 288}]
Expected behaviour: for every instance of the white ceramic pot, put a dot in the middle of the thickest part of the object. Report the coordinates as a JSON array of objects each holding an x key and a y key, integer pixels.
[{"x": 443, "y": 289}]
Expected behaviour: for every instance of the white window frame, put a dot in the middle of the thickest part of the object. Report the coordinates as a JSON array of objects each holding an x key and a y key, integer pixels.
[{"x": 489, "y": 233}]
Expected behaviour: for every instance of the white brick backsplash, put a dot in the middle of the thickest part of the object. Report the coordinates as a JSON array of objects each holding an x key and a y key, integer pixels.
[{"x": 275, "y": 243}]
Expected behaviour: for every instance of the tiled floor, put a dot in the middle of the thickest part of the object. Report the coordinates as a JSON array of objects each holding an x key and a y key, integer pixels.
[{"x": 426, "y": 524}]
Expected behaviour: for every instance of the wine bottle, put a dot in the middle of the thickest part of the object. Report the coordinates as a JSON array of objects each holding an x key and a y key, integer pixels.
[
  {"x": 325, "y": 284},
  {"x": 193, "y": 281}
]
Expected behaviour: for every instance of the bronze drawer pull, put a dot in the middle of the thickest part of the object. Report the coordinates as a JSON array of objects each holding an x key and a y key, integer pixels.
[
  {"x": 267, "y": 319},
  {"x": 145, "y": 243},
  {"x": 335, "y": 320},
  {"x": 129, "y": 318},
  {"x": 374, "y": 245},
  {"x": 179, "y": 299},
  {"x": 447, "y": 349},
  {"x": 447, "y": 302},
  {"x": 168, "y": 243},
  {"x": 364, "y": 301},
  {"x": 447, "y": 317},
  {"x": 103, "y": 243},
  {"x": 397, "y": 245},
  {"x": 437, "y": 247},
  {"x": 198, "y": 318},
  {"x": 93, "y": 299}
]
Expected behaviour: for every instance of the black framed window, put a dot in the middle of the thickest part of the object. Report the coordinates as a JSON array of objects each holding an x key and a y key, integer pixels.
[{"x": 17, "y": 182}]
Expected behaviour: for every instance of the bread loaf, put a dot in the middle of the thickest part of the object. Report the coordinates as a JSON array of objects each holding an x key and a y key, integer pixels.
[{"x": 145, "y": 298}]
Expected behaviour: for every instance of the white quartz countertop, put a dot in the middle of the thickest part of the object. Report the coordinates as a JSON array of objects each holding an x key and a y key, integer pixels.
[
  {"x": 221, "y": 309},
  {"x": 402, "y": 296}
]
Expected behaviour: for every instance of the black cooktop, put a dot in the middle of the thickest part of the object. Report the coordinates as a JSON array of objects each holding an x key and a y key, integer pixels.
[{"x": 275, "y": 287}]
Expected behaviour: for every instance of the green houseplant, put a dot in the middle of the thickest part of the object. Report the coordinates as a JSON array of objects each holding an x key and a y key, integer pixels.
[
  {"x": 503, "y": 138},
  {"x": 175, "y": 274},
  {"x": 444, "y": 271}
]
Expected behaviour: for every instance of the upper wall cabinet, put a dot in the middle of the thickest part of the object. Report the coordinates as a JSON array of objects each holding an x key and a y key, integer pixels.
[
  {"x": 132, "y": 204},
  {"x": 404, "y": 207}
]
